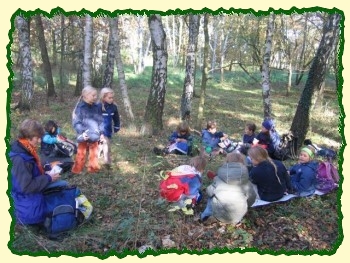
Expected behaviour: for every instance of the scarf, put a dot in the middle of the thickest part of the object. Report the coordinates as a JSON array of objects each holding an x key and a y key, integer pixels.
[{"x": 32, "y": 150}]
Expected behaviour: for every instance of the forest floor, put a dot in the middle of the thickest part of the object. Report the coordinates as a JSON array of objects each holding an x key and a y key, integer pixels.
[{"x": 129, "y": 214}]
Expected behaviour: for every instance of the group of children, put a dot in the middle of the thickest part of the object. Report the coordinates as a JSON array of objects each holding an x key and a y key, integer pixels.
[
  {"x": 248, "y": 173},
  {"x": 94, "y": 123},
  {"x": 269, "y": 177}
]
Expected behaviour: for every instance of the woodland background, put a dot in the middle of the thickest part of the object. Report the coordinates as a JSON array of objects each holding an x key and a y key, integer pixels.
[{"x": 256, "y": 67}]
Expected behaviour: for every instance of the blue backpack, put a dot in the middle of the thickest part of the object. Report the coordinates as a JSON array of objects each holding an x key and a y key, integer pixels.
[{"x": 62, "y": 213}]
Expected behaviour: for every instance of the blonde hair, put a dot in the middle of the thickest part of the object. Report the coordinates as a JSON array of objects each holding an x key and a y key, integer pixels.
[
  {"x": 235, "y": 157},
  {"x": 103, "y": 93},
  {"x": 84, "y": 92},
  {"x": 259, "y": 154}
]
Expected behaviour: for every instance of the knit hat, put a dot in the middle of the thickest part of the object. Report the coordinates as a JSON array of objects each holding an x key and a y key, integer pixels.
[
  {"x": 308, "y": 151},
  {"x": 267, "y": 124}
]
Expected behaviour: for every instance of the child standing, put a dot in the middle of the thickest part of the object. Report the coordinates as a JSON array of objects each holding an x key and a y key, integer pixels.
[
  {"x": 87, "y": 121},
  {"x": 211, "y": 138},
  {"x": 111, "y": 123},
  {"x": 303, "y": 174}
]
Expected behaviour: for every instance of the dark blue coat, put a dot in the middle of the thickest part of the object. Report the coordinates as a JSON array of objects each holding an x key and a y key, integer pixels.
[
  {"x": 303, "y": 178},
  {"x": 27, "y": 186},
  {"x": 88, "y": 117},
  {"x": 264, "y": 176},
  {"x": 111, "y": 118},
  {"x": 211, "y": 139}
]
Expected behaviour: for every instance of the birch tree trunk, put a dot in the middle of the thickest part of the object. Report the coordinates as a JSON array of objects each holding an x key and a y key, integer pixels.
[
  {"x": 26, "y": 64},
  {"x": 45, "y": 57},
  {"x": 266, "y": 68},
  {"x": 187, "y": 94},
  {"x": 121, "y": 77},
  {"x": 153, "y": 122},
  {"x": 111, "y": 49},
  {"x": 204, "y": 74},
  {"x": 316, "y": 76},
  {"x": 88, "y": 36}
]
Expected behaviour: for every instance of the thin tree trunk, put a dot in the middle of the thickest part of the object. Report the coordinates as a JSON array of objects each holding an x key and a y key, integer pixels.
[
  {"x": 109, "y": 69},
  {"x": 266, "y": 68},
  {"x": 26, "y": 64},
  {"x": 62, "y": 57},
  {"x": 45, "y": 57},
  {"x": 187, "y": 94},
  {"x": 153, "y": 122},
  {"x": 204, "y": 74},
  {"x": 121, "y": 77},
  {"x": 87, "y": 51}
]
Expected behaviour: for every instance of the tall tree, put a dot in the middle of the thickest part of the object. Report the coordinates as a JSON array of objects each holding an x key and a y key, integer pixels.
[
  {"x": 45, "y": 57},
  {"x": 266, "y": 68},
  {"x": 88, "y": 37},
  {"x": 316, "y": 76},
  {"x": 204, "y": 73},
  {"x": 121, "y": 75},
  {"x": 155, "y": 105},
  {"x": 188, "y": 89},
  {"x": 109, "y": 69},
  {"x": 26, "y": 64}
]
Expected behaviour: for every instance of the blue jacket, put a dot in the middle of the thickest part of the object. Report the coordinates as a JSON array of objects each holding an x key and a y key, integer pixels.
[
  {"x": 88, "y": 117},
  {"x": 211, "y": 140},
  {"x": 27, "y": 186},
  {"x": 111, "y": 118},
  {"x": 303, "y": 178},
  {"x": 264, "y": 176},
  {"x": 248, "y": 138},
  {"x": 48, "y": 142}
]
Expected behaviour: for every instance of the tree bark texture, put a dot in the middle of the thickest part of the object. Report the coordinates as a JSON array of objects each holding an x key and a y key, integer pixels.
[
  {"x": 316, "y": 76},
  {"x": 26, "y": 64},
  {"x": 266, "y": 68},
  {"x": 45, "y": 57},
  {"x": 88, "y": 37},
  {"x": 188, "y": 89},
  {"x": 155, "y": 104}
]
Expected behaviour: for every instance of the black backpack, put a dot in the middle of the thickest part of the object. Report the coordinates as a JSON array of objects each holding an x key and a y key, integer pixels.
[{"x": 287, "y": 148}]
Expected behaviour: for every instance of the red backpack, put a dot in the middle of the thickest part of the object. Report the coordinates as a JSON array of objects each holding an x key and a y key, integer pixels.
[{"x": 327, "y": 177}]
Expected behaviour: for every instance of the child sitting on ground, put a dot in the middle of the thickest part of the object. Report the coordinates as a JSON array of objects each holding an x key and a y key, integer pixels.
[
  {"x": 303, "y": 174},
  {"x": 268, "y": 137},
  {"x": 182, "y": 185},
  {"x": 50, "y": 139},
  {"x": 180, "y": 141},
  {"x": 248, "y": 138},
  {"x": 211, "y": 138},
  {"x": 231, "y": 192}
]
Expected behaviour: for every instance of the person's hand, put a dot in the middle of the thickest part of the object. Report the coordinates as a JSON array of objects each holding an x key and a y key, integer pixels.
[
  {"x": 55, "y": 177},
  {"x": 85, "y": 136}
]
